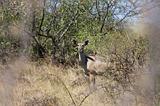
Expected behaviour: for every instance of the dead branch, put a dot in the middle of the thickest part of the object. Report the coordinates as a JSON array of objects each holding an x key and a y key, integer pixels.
[{"x": 62, "y": 82}]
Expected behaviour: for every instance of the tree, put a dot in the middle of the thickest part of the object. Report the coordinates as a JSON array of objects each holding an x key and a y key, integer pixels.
[{"x": 50, "y": 26}]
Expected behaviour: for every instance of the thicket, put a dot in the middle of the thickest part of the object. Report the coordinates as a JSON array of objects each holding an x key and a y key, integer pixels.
[{"x": 47, "y": 28}]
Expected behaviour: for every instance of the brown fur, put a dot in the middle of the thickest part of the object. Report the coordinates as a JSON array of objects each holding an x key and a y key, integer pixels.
[{"x": 91, "y": 65}]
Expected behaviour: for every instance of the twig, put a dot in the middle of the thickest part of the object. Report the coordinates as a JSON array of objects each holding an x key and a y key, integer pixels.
[
  {"x": 67, "y": 27},
  {"x": 97, "y": 8},
  {"x": 88, "y": 96},
  {"x": 65, "y": 88},
  {"x": 43, "y": 15},
  {"x": 104, "y": 19}
]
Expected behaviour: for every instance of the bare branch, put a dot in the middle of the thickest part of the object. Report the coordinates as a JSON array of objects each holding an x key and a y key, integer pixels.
[
  {"x": 67, "y": 27},
  {"x": 97, "y": 8},
  {"x": 82, "y": 101},
  {"x": 47, "y": 36},
  {"x": 43, "y": 15},
  {"x": 62, "y": 82},
  {"x": 104, "y": 19}
]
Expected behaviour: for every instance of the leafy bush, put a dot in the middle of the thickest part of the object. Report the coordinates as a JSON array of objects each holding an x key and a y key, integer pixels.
[{"x": 9, "y": 48}]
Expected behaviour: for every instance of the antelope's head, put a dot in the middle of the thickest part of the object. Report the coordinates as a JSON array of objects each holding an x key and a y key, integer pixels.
[{"x": 81, "y": 46}]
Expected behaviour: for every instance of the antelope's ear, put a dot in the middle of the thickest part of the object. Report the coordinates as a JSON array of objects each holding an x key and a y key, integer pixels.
[
  {"x": 75, "y": 43},
  {"x": 86, "y": 42}
]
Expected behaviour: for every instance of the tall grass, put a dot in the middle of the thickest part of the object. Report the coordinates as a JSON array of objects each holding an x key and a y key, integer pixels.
[{"x": 26, "y": 83}]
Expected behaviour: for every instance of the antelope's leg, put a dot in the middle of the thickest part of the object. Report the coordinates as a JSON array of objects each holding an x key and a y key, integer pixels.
[
  {"x": 86, "y": 71},
  {"x": 86, "y": 75},
  {"x": 92, "y": 81}
]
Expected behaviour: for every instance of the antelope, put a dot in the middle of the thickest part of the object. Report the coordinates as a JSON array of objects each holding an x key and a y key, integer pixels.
[{"x": 91, "y": 64}]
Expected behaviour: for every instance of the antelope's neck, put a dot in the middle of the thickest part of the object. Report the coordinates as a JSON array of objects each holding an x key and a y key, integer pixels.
[{"x": 82, "y": 58}]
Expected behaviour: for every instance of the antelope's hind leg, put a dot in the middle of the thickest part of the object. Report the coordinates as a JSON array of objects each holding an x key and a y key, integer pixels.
[{"x": 92, "y": 82}]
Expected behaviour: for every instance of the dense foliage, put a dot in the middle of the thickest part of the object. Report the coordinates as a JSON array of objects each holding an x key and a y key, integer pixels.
[{"x": 48, "y": 27}]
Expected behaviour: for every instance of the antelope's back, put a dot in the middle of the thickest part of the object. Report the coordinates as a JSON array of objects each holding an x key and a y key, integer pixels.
[{"x": 98, "y": 65}]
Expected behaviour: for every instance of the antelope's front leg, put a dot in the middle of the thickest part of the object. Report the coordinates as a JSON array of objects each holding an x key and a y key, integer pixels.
[{"x": 92, "y": 82}]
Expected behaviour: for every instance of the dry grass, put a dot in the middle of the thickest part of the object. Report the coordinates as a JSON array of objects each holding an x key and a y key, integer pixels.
[
  {"x": 27, "y": 84},
  {"x": 24, "y": 83}
]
